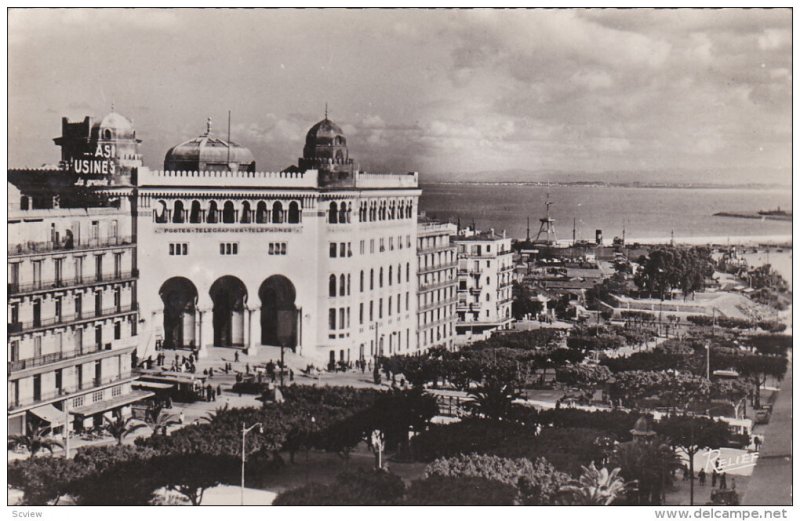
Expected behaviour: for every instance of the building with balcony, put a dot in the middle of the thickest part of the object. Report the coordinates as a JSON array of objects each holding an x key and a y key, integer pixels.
[
  {"x": 72, "y": 276},
  {"x": 485, "y": 277},
  {"x": 436, "y": 284}
]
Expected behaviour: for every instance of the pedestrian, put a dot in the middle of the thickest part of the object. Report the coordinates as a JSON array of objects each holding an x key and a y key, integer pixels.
[
  {"x": 247, "y": 368},
  {"x": 211, "y": 372},
  {"x": 291, "y": 375},
  {"x": 685, "y": 472},
  {"x": 180, "y": 418},
  {"x": 236, "y": 356},
  {"x": 714, "y": 477},
  {"x": 701, "y": 476},
  {"x": 723, "y": 481},
  {"x": 219, "y": 390},
  {"x": 757, "y": 443},
  {"x": 208, "y": 392},
  {"x": 213, "y": 395}
]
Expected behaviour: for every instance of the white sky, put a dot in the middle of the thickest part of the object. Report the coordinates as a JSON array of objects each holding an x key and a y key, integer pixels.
[{"x": 591, "y": 91}]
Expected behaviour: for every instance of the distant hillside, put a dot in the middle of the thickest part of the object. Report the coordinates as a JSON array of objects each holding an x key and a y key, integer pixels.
[{"x": 765, "y": 179}]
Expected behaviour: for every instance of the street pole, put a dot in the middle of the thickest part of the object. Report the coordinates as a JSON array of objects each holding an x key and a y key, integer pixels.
[
  {"x": 708, "y": 362},
  {"x": 245, "y": 430},
  {"x": 282, "y": 366},
  {"x": 244, "y": 433},
  {"x": 66, "y": 429}
]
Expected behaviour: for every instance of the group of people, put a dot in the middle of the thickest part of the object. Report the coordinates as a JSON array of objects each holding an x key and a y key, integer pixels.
[
  {"x": 716, "y": 477},
  {"x": 212, "y": 392}
]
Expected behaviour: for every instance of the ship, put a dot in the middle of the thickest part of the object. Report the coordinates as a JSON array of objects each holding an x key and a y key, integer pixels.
[{"x": 764, "y": 215}]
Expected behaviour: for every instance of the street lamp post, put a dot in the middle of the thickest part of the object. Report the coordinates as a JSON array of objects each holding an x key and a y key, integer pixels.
[
  {"x": 245, "y": 430},
  {"x": 708, "y": 362}
]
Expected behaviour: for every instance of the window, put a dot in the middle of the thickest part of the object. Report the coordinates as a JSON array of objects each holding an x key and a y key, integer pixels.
[
  {"x": 342, "y": 285},
  {"x": 361, "y": 247},
  {"x": 97, "y": 396},
  {"x": 116, "y": 391},
  {"x": 372, "y": 245},
  {"x": 276, "y": 248},
  {"x": 361, "y": 313},
  {"x": 380, "y": 278},
  {"x": 408, "y": 271},
  {"x": 229, "y": 248},
  {"x": 342, "y": 321},
  {"x": 390, "y": 276},
  {"x": 117, "y": 330},
  {"x": 398, "y": 303},
  {"x": 371, "y": 279},
  {"x": 399, "y": 242},
  {"x": 331, "y": 319},
  {"x": 361, "y": 282},
  {"x": 332, "y": 253},
  {"x": 382, "y": 248},
  {"x": 389, "y": 307},
  {"x": 179, "y": 248},
  {"x": 391, "y": 243},
  {"x": 380, "y": 308},
  {"x": 370, "y": 311},
  {"x": 133, "y": 323},
  {"x": 342, "y": 249},
  {"x": 408, "y": 241},
  {"x": 407, "y": 301},
  {"x": 332, "y": 286}
]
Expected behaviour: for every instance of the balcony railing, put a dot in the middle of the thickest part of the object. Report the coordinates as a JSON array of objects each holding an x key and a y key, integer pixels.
[
  {"x": 30, "y": 247},
  {"x": 36, "y": 361},
  {"x": 436, "y": 285},
  {"x": 437, "y": 249},
  {"x": 58, "y": 393},
  {"x": 443, "y": 266},
  {"x": 438, "y": 303},
  {"x": 69, "y": 283},
  {"x": 64, "y": 320}
]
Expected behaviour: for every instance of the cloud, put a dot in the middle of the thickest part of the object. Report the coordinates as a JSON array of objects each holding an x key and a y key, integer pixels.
[{"x": 429, "y": 90}]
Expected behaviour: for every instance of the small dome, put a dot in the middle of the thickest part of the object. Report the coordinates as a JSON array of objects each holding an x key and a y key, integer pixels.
[
  {"x": 115, "y": 121},
  {"x": 209, "y": 153},
  {"x": 325, "y": 133}
]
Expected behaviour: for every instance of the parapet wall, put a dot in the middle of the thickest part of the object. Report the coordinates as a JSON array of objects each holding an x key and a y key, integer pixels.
[
  {"x": 367, "y": 180},
  {"x": 307, "y": 179}
]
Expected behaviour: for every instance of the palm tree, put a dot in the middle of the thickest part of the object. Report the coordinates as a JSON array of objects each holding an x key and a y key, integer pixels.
[
  {"x": 212, "y": 416},
  {"x": 120, "y": 427},
  {"x": 650, "y": 464},
  {"x": 595, "y": 487},
  {"x": 34, "y": 441},
  {"x": 161, "y": 421}
]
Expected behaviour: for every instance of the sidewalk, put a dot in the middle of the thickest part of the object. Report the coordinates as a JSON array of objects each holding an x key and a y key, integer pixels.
[{"x": 771, "y": 483}]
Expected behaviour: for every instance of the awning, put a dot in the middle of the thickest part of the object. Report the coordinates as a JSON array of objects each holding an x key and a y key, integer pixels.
[
  {"x": 113, "y": 403},
  {"x": 49, "y": 414},
  {"x": 155, "y": 386}
]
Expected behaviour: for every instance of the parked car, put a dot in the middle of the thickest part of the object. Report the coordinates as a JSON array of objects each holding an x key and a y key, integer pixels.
[{"x": 762, "y": 416}]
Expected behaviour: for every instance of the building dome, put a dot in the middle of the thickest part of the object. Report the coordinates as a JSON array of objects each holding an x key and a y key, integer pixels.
[
  {"x": 113, "y": 126},
  {"x": 209, "y": 153},
  {"x": 325, "y": 140}
]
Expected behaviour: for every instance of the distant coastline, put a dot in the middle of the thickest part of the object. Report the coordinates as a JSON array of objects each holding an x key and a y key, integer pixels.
[{"x": 610, "y": 184}]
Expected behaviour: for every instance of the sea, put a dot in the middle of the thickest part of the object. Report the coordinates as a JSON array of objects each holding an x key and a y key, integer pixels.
[{"x": 648, "y": 214}]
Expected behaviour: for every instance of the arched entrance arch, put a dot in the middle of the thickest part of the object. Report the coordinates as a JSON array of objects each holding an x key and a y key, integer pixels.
[
  {"x": 179, "y": 296},
  {"x": 229, "y": 296},
  {"x": 278, "y": 312}
]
